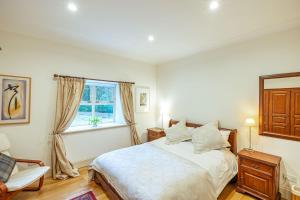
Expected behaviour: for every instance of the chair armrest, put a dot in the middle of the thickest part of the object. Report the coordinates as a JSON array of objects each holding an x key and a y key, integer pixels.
[
  {"x": 38, "y": 162},
  {"x": 3, "y": 188}
]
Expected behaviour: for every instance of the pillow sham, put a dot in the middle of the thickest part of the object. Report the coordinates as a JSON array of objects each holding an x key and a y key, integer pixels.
[
  {"x": 208, "y": 138},
  {"x": 177, "y": 133},
  {"x": 225, "y": 134}
]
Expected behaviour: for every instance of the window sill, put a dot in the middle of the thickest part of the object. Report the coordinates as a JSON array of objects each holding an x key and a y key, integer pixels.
[{"x": 79, "y": 129}]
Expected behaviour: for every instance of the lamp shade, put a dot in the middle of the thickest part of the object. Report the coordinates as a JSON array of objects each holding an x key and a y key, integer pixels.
[{"x": 250, "y": 122}]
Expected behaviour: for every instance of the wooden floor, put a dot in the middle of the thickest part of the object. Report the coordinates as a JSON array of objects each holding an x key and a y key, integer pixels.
[{"x": 61, "y": 190}]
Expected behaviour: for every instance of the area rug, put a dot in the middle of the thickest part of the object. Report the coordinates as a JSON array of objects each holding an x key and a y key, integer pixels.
[{"x": 85, "y": 196}]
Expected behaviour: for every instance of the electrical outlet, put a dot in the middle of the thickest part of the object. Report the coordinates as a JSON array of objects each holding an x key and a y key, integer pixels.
[{"x": 290, "y": 178}]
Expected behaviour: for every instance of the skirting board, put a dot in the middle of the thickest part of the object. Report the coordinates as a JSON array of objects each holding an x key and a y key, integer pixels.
[
  {"x": 285, "y": 192},
  {"x": 84, "y": 163}
]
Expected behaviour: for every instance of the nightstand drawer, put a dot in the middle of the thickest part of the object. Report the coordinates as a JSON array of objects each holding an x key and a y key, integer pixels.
[
  {"x": 256, "y": 166},
  {"x": 255, "y": 182}
]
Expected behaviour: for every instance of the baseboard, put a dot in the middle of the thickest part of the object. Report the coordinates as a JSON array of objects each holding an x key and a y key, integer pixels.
[
  {"x": 81, "y": 164},
  {"x": 84, "y": 163},
  {"x": 285, "y": 192}
]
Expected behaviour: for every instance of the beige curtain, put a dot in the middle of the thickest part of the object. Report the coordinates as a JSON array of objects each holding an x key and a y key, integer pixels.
[
  {"x": 69, "y": 94},
  {"x": 127, "y": 104}
]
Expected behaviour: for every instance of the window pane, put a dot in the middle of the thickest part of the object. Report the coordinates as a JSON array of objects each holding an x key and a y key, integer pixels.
[
  {"x": 106, "y": 112},
  {"x": 105, "y": 93},
  {"x": 83, "y": 115},
  {"x": 86, "y": 93}
]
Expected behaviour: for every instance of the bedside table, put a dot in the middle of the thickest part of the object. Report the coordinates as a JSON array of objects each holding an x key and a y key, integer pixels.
[
  {"x": 155, "y": 133},
  {"x": 259, "y": 174}
]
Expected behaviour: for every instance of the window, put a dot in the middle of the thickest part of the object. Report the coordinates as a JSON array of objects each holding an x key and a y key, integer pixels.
[{"x": 100, "y": 100}]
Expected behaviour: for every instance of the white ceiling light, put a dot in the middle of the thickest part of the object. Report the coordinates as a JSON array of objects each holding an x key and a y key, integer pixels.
[
  {"x": 72, "y": 7},
  {"x": 151, "y": 38},
  {"x": 214, "y": 5}
]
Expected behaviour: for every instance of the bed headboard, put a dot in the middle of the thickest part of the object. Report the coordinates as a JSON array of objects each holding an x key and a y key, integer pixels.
[{"x": 232, "y": 137}]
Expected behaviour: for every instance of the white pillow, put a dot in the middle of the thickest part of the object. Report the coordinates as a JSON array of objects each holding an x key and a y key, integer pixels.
[
  {"x": 208, "y": 138},
  {"x": 225, "y": 134},
  {"x": 213, "y": 124},
  {"x": 177, "y": 133}
]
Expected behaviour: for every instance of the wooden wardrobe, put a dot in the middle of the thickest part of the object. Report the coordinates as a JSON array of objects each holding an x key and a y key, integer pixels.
[{"x": 281, "y": 111}]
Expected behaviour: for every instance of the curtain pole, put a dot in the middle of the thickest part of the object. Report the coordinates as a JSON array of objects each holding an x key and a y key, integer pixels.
[{"x": 64, "y": 76}]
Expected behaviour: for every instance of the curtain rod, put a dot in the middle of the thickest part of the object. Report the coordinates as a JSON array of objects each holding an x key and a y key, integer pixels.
[{"x": 64, "y": 76}]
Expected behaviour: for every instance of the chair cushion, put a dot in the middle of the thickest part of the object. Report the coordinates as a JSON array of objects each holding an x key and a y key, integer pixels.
[
  {"x": 4, "y": 143},
  {"x": 16, "y": 169},
  {"x": 7, "y": 165},
  {"x": 25, "y": 178}
]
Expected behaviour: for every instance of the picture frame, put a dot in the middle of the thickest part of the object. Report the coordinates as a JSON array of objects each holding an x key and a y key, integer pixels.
[
  {"x": 15, "y": 99},
  {"x": 142, "y": 102}
]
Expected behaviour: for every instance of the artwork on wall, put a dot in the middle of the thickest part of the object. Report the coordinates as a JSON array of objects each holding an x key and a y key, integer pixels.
[
  {"x": 142, "y": 99},
  {"x": 15, "y": 99}
]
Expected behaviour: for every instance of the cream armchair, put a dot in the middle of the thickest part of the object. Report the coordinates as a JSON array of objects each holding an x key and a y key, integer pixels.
[{"x": 20, "y": 180}]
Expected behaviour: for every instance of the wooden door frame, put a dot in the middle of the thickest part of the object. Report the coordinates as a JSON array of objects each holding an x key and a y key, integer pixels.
[{"x": 261, "y": 104}]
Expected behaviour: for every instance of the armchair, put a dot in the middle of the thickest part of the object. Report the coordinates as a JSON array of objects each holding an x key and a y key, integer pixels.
[{"x": 21, "y": 180}]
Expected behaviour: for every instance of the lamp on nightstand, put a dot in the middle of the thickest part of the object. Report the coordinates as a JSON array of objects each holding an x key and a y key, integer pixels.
[
  {"x": 250, "y": 122},
  {"x": 164, "y": 111}
]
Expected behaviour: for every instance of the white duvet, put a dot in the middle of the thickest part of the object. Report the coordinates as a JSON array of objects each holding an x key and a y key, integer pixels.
[{"x": 156, "y": 171}]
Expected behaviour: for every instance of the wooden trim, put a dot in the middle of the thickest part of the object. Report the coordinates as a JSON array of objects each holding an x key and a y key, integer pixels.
[
  {"x": 93, "y": 79},
  {"x": 38, "y": 162},
  {"x": 261, "y": 104},
  {"x": 232, "y": 137},
  {"x": 283, "y": 75},
  {"x": 29, "y": 106}
]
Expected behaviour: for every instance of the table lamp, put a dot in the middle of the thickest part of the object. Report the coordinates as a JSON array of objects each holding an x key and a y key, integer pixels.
[{"x": 250, "y": 122}]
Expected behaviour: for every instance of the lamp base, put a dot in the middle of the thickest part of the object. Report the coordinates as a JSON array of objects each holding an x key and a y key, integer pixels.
[{"x": 249, "y": 149}]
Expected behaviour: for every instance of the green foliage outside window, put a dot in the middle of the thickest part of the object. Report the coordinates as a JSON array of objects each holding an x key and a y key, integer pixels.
[
  {"x": 85, "y": 108},
  {"x": 86, "y": 93},
  {"x": 105, "y": 93},
  {"x": 104, "y": 109}
]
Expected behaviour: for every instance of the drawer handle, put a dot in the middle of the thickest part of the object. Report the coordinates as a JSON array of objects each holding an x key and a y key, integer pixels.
[{"x": 255, "y": 166}]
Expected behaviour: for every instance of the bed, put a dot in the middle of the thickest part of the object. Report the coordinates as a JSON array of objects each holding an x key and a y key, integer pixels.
[{"x": 155, "y": 170}]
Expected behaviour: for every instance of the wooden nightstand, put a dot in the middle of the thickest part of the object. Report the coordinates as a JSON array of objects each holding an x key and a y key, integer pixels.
[
  {"x": 155, "y": 133},
  {"x": 259, "y": 174}
]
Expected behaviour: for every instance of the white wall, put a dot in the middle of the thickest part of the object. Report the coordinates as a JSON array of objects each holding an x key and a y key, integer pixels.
[
  {"x": 223, "y": 84},
  {"x": 40, "y": 59}
]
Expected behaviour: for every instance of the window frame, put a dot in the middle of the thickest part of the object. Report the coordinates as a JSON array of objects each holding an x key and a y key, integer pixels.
[{"x": 94, "y": 102}]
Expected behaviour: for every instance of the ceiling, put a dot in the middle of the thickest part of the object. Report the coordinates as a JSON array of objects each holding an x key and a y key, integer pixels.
[{"x": 121, "y": 27}]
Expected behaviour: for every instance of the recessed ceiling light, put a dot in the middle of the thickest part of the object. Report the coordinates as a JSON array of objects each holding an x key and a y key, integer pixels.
[
  {"x": 151, "y": 38},
  {"x": 214, "y": 5},
  {"x": 72, "y": 7}
]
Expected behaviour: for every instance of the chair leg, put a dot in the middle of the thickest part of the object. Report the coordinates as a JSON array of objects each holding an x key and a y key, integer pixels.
[
  {"x": 8, "y": 195},
  {"x": 41, "y": 182}
]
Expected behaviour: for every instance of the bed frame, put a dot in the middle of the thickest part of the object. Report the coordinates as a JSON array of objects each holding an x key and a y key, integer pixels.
[{"x": 114, "y": 195}]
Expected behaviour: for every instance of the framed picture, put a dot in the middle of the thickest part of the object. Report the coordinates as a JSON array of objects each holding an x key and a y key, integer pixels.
[
  {"x": 15, "y": 99},
  {"x": 142, "y": 99}
]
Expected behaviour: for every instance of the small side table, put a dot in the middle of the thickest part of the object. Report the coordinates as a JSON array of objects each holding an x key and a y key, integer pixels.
[{"x": 155, "y": 133}]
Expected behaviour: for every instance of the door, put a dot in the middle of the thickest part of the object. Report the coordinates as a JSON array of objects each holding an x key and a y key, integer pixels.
[
  {"x": 266, "y": 111},
  {"x": 295, "y": 112},
  {"x": 279, "y": 111}
]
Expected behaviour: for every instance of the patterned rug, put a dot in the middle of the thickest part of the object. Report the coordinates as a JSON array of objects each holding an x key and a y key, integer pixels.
[{"x": 85, "y": 196}]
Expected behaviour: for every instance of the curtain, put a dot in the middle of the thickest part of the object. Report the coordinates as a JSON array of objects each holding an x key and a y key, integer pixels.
[
  {"x": 69, "y": 94},
  {"x": 127, "y": 104}
]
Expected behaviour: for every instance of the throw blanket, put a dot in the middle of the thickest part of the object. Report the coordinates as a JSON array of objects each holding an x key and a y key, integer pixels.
[{"x": 146, "y": 172}]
